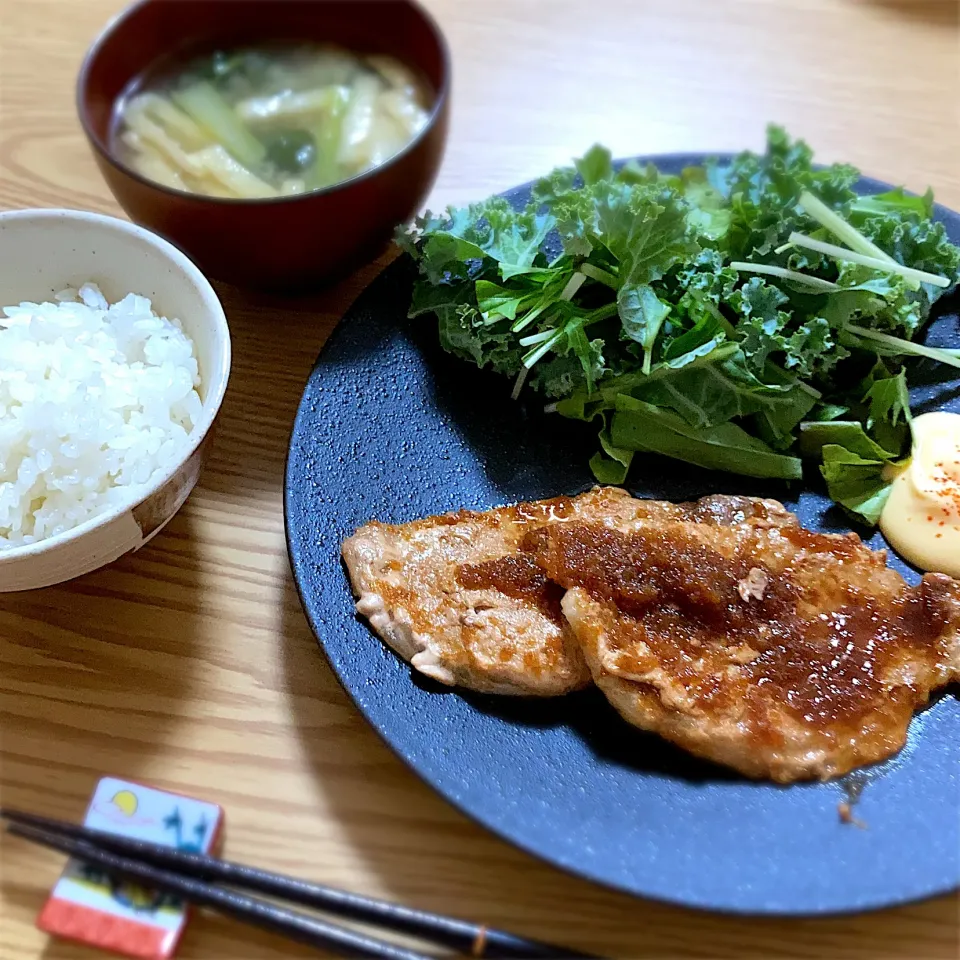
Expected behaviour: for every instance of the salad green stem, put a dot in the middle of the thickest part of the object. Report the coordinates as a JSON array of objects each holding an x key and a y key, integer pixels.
[
  {"x": 885, "y": 266},
  {"x": 549, "y": 338},
  {"x": 555, "y": 335},
  {"x": 573, "y": 285},
  {"x": 784, "y": 274},
  {"x": 518, "y": 383},
  {"x": 536, "y": 337},
  {"x": 907, "y": 347},
  {"x": 811, "y": 391},
  {"x": 600, "y": 275},
  {"x": 528, "y": 318},
  {"x": 839, "y": 227}
]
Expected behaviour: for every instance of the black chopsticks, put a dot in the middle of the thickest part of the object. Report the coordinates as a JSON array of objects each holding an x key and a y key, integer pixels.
[{"x": 193, "y": 877}]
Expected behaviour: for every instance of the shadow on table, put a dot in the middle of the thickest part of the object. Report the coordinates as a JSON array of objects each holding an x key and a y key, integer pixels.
[
  {"x": 428, "y": 855},
  {"x": 95, "y": 671},
  {"x": 95, "y": 676},
  {"x": 275, "y": 342},
  {"x": 941, "y": 12}
]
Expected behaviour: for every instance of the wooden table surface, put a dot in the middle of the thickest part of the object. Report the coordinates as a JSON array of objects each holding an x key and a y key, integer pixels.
[{"x": 190, "y": 664}]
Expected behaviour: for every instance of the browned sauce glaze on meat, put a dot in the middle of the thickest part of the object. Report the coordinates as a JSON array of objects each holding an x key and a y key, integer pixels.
[
  {"x": 453, "y": 595},
  {"x": 825, "y": 653},
  {"x": 681, "y": 594},
  {"x": 516, "y": 576},
  {"x": 722, "y": 625}
]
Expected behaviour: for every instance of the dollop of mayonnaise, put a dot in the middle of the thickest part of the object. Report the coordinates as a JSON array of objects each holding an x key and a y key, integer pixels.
[{"x": 921, "y": 519}]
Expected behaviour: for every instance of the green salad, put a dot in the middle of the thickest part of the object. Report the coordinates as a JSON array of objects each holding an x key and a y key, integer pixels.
[{"x": 742, "y": 317}]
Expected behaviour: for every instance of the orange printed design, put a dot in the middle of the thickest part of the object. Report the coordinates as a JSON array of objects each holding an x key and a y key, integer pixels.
[{"x": 88, "y": 906}]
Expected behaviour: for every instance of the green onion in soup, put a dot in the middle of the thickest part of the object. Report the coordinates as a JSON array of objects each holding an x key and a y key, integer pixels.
[{"x": 270, "y": 122}]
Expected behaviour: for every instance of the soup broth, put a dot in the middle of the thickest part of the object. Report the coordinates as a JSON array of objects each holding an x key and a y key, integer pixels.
[{"x": 273, "y": 121}]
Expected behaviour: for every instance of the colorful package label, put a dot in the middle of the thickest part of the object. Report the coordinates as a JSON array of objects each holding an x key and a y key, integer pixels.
[{"x": 86, "y": 905}]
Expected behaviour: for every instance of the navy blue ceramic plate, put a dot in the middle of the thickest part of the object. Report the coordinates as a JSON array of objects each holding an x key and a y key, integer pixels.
[{"x": 392, "y": 429}]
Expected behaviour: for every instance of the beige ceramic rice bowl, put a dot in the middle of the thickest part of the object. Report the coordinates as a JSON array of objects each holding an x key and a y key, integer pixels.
[{"x": 42, "y": 252}]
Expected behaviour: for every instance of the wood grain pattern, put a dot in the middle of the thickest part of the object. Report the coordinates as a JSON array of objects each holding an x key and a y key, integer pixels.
[{"x": 190, "y": 665}]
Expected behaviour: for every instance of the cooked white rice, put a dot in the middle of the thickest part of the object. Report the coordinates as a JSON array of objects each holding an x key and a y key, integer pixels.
[{"x": 96, "y": 400}]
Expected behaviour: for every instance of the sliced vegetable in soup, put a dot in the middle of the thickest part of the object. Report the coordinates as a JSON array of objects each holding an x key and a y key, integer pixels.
[{"x": 268, "y": 122}]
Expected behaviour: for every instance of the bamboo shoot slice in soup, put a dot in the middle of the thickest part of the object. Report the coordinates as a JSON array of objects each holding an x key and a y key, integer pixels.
[{"x": 271, "y": 121}]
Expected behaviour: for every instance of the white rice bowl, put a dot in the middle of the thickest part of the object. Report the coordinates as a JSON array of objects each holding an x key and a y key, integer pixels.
[{"x": 97, "y": 402}]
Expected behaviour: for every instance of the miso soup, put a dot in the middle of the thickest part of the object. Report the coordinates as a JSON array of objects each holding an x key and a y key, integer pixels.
[{"x": 270, "y": 121}]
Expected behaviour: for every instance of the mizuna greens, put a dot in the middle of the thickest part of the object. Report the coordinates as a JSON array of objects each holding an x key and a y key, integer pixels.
[{"x": 739, "y": 317}]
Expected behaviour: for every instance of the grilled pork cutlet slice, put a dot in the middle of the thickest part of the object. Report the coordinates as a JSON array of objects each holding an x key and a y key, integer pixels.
[
  {"x": 751, "y": 641},
  {"x": 454, "y": 596}
]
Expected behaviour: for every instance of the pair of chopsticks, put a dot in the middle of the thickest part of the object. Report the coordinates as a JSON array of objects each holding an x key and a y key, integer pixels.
[{"x": 194, "y": 877}]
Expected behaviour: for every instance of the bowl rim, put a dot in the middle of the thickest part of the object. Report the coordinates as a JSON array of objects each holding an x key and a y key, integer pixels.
[
  {"x": 218, "y": 376},
  {"x": 103, "y": 148}
]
